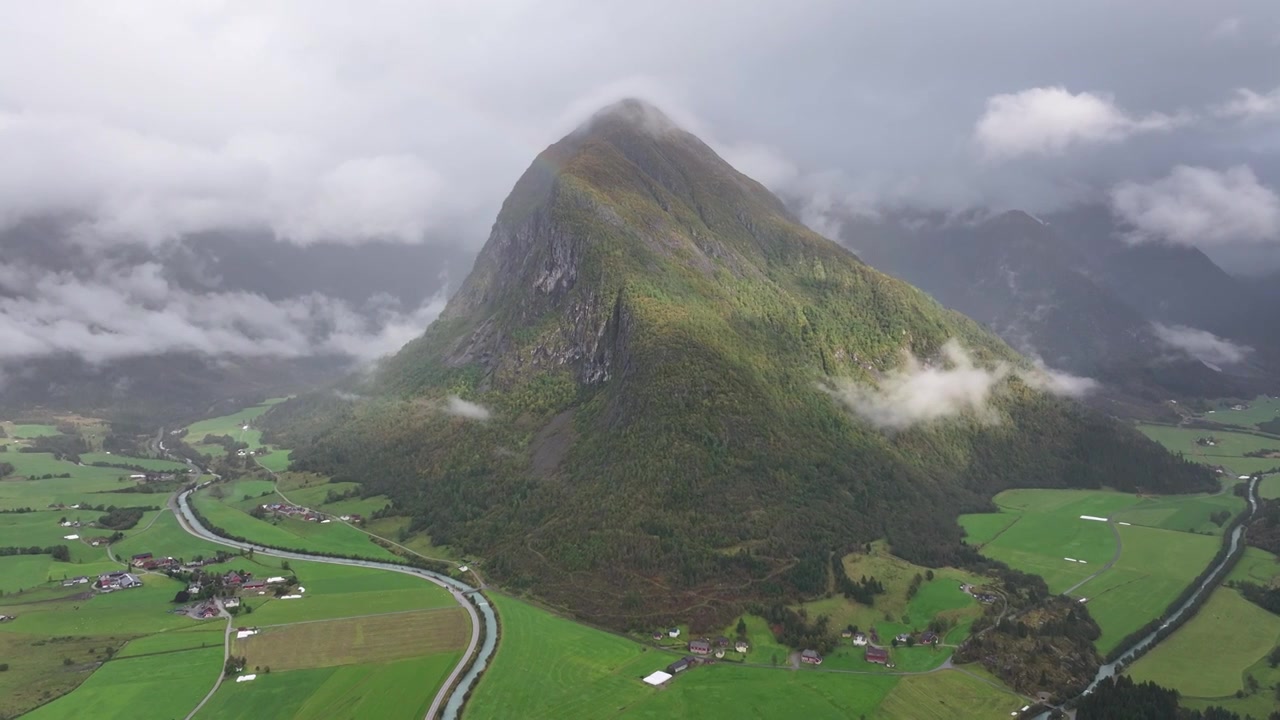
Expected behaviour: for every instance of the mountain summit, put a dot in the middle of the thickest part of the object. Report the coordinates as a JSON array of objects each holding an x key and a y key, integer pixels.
[{"x": 628, "y": 407}]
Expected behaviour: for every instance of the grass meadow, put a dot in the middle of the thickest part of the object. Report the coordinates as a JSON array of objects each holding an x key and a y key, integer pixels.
[
  {"x": 1236, "y": 632},
  {"x": 37, "y": 671},
  {"x": 401, "y": 689},
  {"x": 231, "y": 513},
  {"x": 356, "y": 641},
  {"x": 948, "y": 695},
  {"x": 233, "y": 425},
  {"x": 1154, "y": 567},
  {"x": 1038, "y": 530},
  {"x": 1228, "y": 451},
  {"x": 157, "y": 686},
  {"x": 156, "y": 464}
]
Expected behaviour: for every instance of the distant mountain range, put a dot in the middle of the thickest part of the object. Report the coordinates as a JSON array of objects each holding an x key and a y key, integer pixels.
[
  {"x": 371, "y": 280},
  {"x": 1150, "y": 321},
  {"x": 658, "y": 395}
]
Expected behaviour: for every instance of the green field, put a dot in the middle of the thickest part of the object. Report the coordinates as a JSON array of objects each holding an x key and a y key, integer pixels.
[
  {"x": 937, "y": 598},
  {"x": 156, "y": 686},
  {"x": 335, "y": 591},
  {"x": 275, "y": 461},
  {"x": 1269, "y": 488},
  {"x": 1228, "y": 451},
  {"x": 166, "y": 537},
  {"x": 1043, "y": 528},
  {"x": 1261, "y": 409},
  {"x": 148, "y": 463},
  {"x": 550, "y": 667},
  {"x": 1256, "y": 566},
  {"x": 949, "y": 695},
  {"x": 1154, "y": 567},
  {"x": 30, "y": 431},
  {"x": 233, "y": 425},
  {"x": 231, "y": 514},
  {"x": 37, "y": 667},
  {"x": 1232, "y": 631},
  {"x": 204, "y": 635},
  {"x": 401, "y": 689},
  {"x": 1037, "y": 530}
]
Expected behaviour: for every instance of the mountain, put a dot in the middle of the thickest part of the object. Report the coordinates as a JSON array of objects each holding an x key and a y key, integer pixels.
[
  {"x": 1069, "y": 292},
  {"x": 630, "y": 406}
]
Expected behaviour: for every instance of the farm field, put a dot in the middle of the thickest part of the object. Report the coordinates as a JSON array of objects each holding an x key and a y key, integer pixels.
[
  {"x": 1228, "y": 451},
  {"x": 275, "y": 461},
  {"x": 401, "y": 689},
  {"x": 165, "y": 537},
  {"x": 1154, "y": 567},
  {"x": 1259, "y": 410},
  {"x": 336, "y": 591},
  {"x": 312, "y": 491},
  {"x": 37, "y": 671},
  {"x": 20, "y": 431},
  {"x": 1240, "y": 633},
  {"x": 1044, "y": 529},
  {"x": 550, "y": 667},
  {"x": 948, "y": 695},
  {"x": 157, "y": 464},
  {"x": 940, "y": 597},
  {"x": 1256, "y": 566},
  {"x": 232, "y": 425},
  {"x": 356, "y": 641},
  {"x": 332, "y": 537},
  {"x": 157, "y": 686},
  {"x": 206, "y": 634},
  {"x": 1269, "y": 488}
]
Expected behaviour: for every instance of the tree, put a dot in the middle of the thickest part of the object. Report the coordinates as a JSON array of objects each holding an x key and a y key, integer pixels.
[
  {"x": 742, "y": 628},
  {"x": 894, "y": 642},
  {"x": 928, "y": 575}
]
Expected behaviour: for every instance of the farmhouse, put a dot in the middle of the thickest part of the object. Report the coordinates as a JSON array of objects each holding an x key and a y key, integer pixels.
[
  {"x": 811, "y": 656},
  {"x": 231, "y": 602},
  {"x": 255, "y": 585},
  {"x": 741, "y": 646},
  {"x": 699, "y": 647},
  {"x": 673, "y": 632},
  {"x": 929, "y": 637},
  {"x": 877, "y": 655},
  {"x": 903, "y": 638},
  {"x": 680, "y": 665}
]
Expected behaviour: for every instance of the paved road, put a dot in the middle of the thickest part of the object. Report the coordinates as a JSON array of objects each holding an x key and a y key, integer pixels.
[
  {"x": 226, "y": 655},
  {"x": 178, "y": 503}
]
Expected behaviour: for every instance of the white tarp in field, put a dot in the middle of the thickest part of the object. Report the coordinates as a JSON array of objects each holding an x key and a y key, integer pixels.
[
  {"x": 246, "y": 678},
  {"x": 657, "y": 678},
  {"x": 242, "y": 634},
  {"x": 1091, "y": 517},
  {"x": 70, "y": 537}
]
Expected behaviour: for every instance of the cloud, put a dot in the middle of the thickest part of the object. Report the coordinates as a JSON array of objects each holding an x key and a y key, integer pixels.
[
  {"x": 920, "y": 393},
  {"x": 1250, "y": 105},
  {"x": 1229, "y": 27},
  {"x": 1058, "y": 382},
  {"x": 137, "y": 188},
  {"x": 1052, "y": 120},
  {"x": 121, "y": 312},
  {"x": 1201, "y": 344},
  {"x": 1200, "y": 206},
  {"x": 466, "y": 409}
]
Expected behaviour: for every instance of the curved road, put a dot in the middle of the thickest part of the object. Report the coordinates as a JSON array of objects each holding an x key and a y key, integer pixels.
[
  {"x": 226, "y": 655},
  {"x": 178, "y": 503}
]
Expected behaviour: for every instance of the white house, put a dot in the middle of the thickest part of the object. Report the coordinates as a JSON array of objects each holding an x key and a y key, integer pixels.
[{"x": 673, "y": 632}]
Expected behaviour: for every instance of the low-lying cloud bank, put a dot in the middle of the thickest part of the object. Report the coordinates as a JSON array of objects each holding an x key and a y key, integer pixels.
[
  {"x": 458, "y": 407},
  {"x": 122, "y": 312},
  {"x": 1201, "y": 344},
  {"x": 920, "y": 392}
]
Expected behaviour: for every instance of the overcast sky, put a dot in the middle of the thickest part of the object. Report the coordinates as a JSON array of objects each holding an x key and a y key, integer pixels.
[{"x": 344, "y": 121}]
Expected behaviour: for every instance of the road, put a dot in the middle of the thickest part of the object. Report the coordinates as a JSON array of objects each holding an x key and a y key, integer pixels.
[
  {"x": 450, "y": 701},
  {"x": 226, "y": 655}
]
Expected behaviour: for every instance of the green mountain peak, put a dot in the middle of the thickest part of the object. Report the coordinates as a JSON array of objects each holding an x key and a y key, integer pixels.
[{"x": 649, "y": 333}]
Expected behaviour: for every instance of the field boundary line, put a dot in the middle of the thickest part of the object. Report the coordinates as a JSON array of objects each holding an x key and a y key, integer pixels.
[{"x": 444, "y": 608}]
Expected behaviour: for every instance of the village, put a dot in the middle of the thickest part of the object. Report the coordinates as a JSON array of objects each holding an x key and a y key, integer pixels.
[{"x": 297, "y": 512}]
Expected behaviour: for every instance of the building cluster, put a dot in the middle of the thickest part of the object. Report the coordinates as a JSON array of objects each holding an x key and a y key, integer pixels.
[
  {"x": 294, "y": 511},
  {"x": 117, "y": 580}
]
